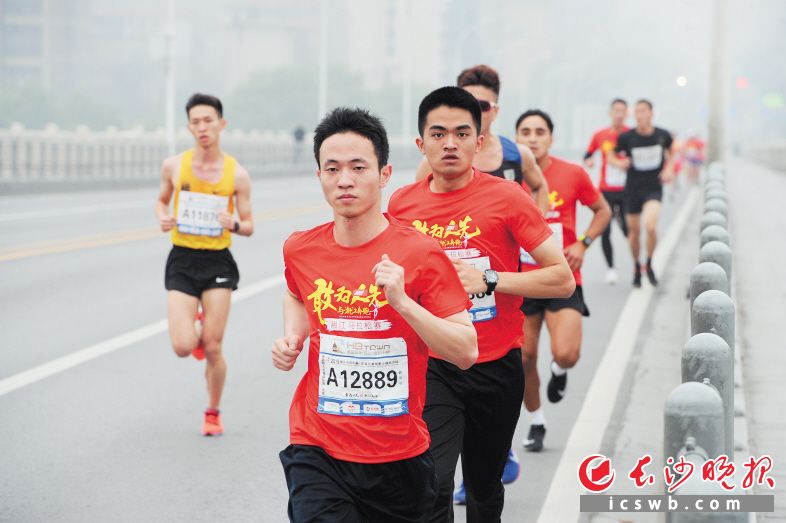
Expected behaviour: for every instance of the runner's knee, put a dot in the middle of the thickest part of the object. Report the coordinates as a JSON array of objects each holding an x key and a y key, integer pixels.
[
  {"x": 567, "y": 359},
  {"x": 183, "y": 347},
  {"x": 212, "y": 349}
]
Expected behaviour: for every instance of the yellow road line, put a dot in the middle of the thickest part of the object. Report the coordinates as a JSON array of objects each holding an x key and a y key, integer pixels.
[{"x": 115, "y": 238}]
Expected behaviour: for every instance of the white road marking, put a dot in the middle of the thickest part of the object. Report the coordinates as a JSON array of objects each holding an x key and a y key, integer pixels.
[
  {"x": 562, "y": 499},
  {"x": 58, "y": 365}
]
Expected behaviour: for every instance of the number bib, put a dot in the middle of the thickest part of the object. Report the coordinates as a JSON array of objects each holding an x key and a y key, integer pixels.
[
  {"x": 484, "y": 306},
  {"x": 197, "y": 213},
  {"x": 363, "y": 377},
  {"x": 647, "y": 158},
  {"x": 615, "y": 177},
  {"x": 527, "y": 259}
]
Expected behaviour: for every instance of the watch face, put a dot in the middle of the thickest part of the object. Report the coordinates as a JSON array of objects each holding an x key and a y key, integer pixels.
[{"x": 491, "y": 276}]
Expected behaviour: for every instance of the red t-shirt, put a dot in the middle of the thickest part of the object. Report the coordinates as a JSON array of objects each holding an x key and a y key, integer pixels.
[
  {"x": 362, "y": 397},
  {"x": 568, "y": 183},
  {"x": 484, "y": 224},
  {"x": 611, "y": 178}
]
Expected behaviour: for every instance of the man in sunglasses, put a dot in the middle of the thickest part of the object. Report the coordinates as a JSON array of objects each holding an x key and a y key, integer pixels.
[{"x": 498, "y": 155}]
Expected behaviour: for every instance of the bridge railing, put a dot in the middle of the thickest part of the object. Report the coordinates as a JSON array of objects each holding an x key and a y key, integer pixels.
[{"x": 113, "y": 156}]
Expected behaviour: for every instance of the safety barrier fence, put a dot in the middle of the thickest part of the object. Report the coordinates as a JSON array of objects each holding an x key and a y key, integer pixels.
[
  {"x": 57, "y": 157},
  {"x": 699, "y": 413}
]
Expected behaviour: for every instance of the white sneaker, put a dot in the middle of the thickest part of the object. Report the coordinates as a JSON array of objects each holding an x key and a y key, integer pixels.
[{"x": 611, "y": 276}]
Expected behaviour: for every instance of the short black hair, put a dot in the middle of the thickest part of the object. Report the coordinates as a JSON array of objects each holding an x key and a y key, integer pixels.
[
  {"x": 205, "y": 99},
  {"x": 618, "y": 101},
  {"x": 448, "y": 96},
  {"x": 536, "y": 112},
  {"x": 645, "y": 102},
  {"x": 358, "y": 121}
]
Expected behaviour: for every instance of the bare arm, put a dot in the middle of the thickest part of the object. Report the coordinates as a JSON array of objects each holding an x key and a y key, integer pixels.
[
  {"x": 166, "y": 188},
  {"x": 553, "y": 279},
  {"x": 423, "y": 170},
  {"x": 620, "y": 163},
  {"x": 667, "y": 174},
  {"x": 452, "y": 338},
  {"x": 243, "y": 205},
  {"x": 533, "y": 177},
  {"x": 575, "y": 253},
  {"x": 286, "y": 350}
]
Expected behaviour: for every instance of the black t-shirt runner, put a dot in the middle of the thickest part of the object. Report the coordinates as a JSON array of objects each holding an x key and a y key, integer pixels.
[{"x": 647, "y": 157}]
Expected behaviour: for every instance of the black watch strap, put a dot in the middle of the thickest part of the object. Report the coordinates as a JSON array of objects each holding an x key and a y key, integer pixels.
[{"x": 490, "y": 285}]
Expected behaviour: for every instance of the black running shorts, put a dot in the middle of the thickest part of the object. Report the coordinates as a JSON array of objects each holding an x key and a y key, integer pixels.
[
  {"x": 193, "y": 271},
  {"x": 325, "y": 489},
  {"x": 636, "y": 197},
  {"x": 533, "y": 306}
]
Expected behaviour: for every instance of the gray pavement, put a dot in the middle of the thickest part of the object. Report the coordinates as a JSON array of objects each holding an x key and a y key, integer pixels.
[
  {"x": 760, "y": 300},
  {"x": 116, "y": 438},
  {"x": 758, "y": 223}
]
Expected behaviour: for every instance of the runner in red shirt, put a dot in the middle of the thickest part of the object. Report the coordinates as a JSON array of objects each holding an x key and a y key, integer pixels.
[
  {"x": 481, "y": 221},
  {"x": 569, "y": 184},
  {"x": 612, "y": 179},
  {"x": 498, "y": 156},
  {"x": 692, "y": 153},
  {"x": 372, "y": 296}
]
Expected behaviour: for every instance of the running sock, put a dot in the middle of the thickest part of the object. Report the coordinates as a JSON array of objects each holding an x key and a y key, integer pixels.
[
  {"x": 557, "y": 370},
  {"x": 537, "y": 417},
  {"x": 649, "y": 262}
]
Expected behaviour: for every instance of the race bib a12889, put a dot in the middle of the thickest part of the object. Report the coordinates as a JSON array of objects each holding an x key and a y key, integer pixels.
[{"x": 363, "y": 377}]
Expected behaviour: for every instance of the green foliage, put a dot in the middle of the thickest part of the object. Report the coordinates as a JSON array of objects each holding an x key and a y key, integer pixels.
[
  {"x": 285, "y": 98},
  {"x": 35, "y": 107}
]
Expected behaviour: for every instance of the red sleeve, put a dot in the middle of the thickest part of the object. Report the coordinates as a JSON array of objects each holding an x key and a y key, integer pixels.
[
  {"x": 288, "y": 276},
  {"x": 588, "y": 194},
  {"x": 439, "y": 289},
  {"x": 526, "y": 222}
]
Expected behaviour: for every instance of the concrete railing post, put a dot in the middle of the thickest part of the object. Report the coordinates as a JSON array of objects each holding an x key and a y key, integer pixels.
[
  {"x": 715, "y": 233},
  {"x": 695, "y": 410},
  {"x": 712, "y": 218},
  {"x": 720, "y": 253},
  {"x": 708, "y": 356}
]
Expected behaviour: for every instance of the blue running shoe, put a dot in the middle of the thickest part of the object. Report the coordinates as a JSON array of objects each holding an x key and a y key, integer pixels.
[
  {"x": 512, "y": 469},
  {"x": 460, "y": 495}
]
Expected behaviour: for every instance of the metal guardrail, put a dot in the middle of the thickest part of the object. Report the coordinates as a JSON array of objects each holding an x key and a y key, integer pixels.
[{"x": 54, "y": 157}]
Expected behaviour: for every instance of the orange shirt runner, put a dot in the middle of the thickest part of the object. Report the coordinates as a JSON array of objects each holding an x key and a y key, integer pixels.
[
  {"x": 483, "y": 224},
  {"x": 568, "y": 183},
  {"x": 362, "y": 398},
  {"x": 612, "y": 178}
]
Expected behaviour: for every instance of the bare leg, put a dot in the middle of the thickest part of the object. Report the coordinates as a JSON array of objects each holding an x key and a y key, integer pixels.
[
  {"x": 565, "y": 331},
  {"x": 182, "y": 308},
  {"x": 649, "y": 215},
  {"x": 216, "y": 303},
  {"x": 529, "y": 356}
]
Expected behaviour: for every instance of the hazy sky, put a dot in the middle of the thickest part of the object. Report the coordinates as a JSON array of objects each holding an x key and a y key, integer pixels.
[{"x": 568, "y": 57}]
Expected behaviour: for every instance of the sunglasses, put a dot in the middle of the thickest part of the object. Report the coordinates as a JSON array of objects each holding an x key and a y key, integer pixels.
[{"x": 485, "y": 105}]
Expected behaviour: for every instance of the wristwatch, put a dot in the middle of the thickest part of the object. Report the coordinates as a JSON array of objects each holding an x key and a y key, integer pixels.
[
  {"x": 491, "y": 278},
  {"x": 586, "y": 240},
  {"x": 236, "y": 227}
]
